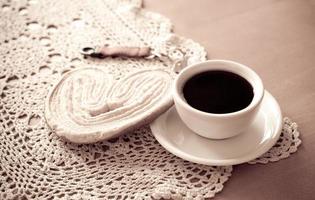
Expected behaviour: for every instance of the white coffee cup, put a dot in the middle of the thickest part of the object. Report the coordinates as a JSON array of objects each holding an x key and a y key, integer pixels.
[{"x": 217, "y": 126}]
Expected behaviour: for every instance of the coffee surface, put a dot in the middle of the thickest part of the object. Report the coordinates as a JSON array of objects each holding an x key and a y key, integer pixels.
[{"x": 218, "y": 92}]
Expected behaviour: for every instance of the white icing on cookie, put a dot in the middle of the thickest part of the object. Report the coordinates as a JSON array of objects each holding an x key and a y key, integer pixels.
[{"x": 88, "y": 105}]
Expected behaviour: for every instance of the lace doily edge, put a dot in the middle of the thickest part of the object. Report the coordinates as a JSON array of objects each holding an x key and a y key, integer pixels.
[{"x": 296, "y": 140}]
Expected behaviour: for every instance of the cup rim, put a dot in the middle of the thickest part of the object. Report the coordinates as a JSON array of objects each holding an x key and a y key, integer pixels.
[{"x": 258, "y": 86}]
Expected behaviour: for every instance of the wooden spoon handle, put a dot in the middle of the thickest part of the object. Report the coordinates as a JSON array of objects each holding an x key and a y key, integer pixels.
[{"x": 125, "y": 51}]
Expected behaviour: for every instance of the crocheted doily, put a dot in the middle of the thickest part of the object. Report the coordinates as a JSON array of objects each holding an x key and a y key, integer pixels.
[{"x": 40, "y": 41}]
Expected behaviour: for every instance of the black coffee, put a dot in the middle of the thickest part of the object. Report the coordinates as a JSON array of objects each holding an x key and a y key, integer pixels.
[{"x": 218, "y": 92}]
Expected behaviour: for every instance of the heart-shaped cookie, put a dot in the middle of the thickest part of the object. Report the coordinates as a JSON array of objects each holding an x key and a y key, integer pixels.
[{"x": 88, "y": 105}]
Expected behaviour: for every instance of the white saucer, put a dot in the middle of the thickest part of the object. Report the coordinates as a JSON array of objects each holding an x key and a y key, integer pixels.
[{"x": 264, "y": 132}]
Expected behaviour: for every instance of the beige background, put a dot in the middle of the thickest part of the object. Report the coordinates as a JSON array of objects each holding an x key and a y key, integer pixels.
[{"x": 277, "y": 39}]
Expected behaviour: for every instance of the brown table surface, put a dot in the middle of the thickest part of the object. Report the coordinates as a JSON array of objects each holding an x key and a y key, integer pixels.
[{"x": 277, "y": 39}]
